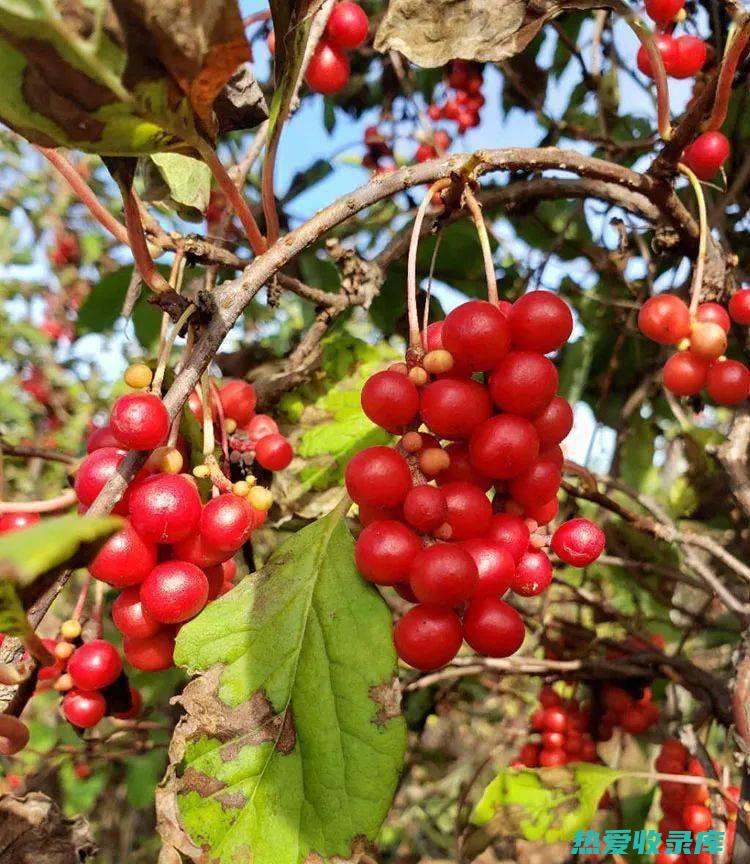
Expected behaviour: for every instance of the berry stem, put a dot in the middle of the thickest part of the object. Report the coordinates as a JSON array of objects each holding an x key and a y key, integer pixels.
[
  {"x": 267, "y": 197},
  {"x": 426, "y": 312},
  {"x": 209, "y": 442},
  {"x": 411, "y": 266},
  {"x": 60, "y": 502},
  {"x": 85, "y": 195},
  {"x": 239, "y": 205},
  {"x": 484, "y": 242},
  {"x": 646, "y": 38},
  {"x": 144, "y": 263},
  {"x": 81, "y": 599},
  {"x": 221, "y": 420},
  {"x": 167, "y": 348},
  {"x": 735, "y": 48},
  {"x": 700, "y": 261},
  {"x": 96, "y": 614}
]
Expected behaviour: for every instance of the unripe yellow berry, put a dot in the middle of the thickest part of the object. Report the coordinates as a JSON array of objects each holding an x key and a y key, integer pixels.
[
  {"x": 230, "y": 425},
  {"x": 201, "y": 472},
  {"x": 168, "y": 460},
  {"x": 138, "y": 376},
  {"x": 240, "y": 488},
  {"x": 63, "y": 650},
  {"x": 71, "y": 629},
  {"x": 63, "y": 683},
  {"x": 260, "y": 498},
  {"x": 418, "y": 376},
  {"x": 412, "y": 442},
  {"x": 437, "y": 362}
]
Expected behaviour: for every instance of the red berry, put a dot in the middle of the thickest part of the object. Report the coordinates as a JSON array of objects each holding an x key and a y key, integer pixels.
[
  {"x": 453, "y": 407},
  {"x": 274, "y": 452},
  {"x": 215, "y": 578},
  {"x": 690, "y": 56},
  {"x": 428, "y": 637},
  {"x": 533, "y": 574},
  {"x": 523, "y": 383},
  {"x": 425, "y": 508},
  {"x": 101, "y": 437},
  {"x": 83, "y": 710},
  {"x": 390, "y": 400},
  {"x": 136, "y": 703},
  {"x": 195, "y": 550},
  {"x": 578, "y": 542},
  {"x": 17, "y": 521},
  {"x": 539, "y": 483},
  {"x": 328, "y": 70},
  {"x": 706, "y": 155},
  {"x": 369, "y": 514},
  {"x": 139, "y": 421},
  {"x": 151, "y": 654},
  {"x": 529, "y": 755},
  {"x": 667, "y": 46},
  {"x": 697, "y": 818},
  {"x": 553, "y": 740},
  {"x": 165, "y": 508},
  {"x": 124, "y": 559},
  {"x": 739, "y": 306},
  {"x": 443, "y": 575},
  {"x": 554, "y": 422},
  {"x": 238, "y": 400},
  {"x": 685, "y": 373},
  {"x": 174, "y": 591},
  {"x": 728, "y": 382},
  {"x": 55, "y": 669},
  {"x": 664, "y": 319},
  {"x": 540, "y": 321},
  {"x": 131, "y": 618},
  {"x": 511, "y": 532},
  {"x": 461, "y": 469},
  {"x": 493, "y": 628},
  {"x": 477, "y": 335},
  {"x": 260, "y": 426},
  {"x": 469, "y": 510},
  {"x": 663, "y": 11},
  {"x": 94, "y": 665},
  {"x": 226, "y": 522},
  {"x": 555, "y": 719},
  {"x": 494, "y": 564},
  {"x": 94, "y": 473},
  {"x": 384, "y": 552},
  {"x": 708, "y": 340},
  {"x": 347, "y": 25},
  {"x": 503, "y": 446},
  {"x": 425, "y": 152},
  {"x": 552, "y": 758},
  {"x": 378, "y": 476},
  {"x": 442, "y": 141},
  {"x": 714, "y": 313}
]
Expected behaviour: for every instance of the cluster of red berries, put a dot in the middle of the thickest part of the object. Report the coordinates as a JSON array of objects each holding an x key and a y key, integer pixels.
[
  {"x": 377, "y": 149},
  {"x": 431, "y": 530},
  {"x": 635, "y": 715},
  {"x": 700, "y": 363},
  {"x": 65, "y": 249},
  {"x": 685, "y": 806},
  {"x": 463, "y": 105},
  {"x": 563, "y": 727},
  {"x": 346, "y": 29}
]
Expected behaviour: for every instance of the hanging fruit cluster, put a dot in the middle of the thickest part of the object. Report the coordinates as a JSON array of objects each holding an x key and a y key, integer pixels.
[
  {"x": 701, "y": 338},
  {"x": 634, "y": 714},
  {"x": 431, "y": 529},
  {"x": 464, "y": 99},
  {"x": 346, "y": 29}
]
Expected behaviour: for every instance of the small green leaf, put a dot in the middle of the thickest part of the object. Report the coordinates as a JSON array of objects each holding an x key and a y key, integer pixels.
[
  {"x": 550, "y": 804},
  {"x": 293, "y": 740},
  {"x": 179, "y": 182},
  {"x": 13, "y": 621}
]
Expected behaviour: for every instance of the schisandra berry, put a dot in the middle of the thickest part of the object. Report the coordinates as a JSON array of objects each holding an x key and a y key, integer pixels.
[
  {"x": 390, "y": 400},
  {"x": 384, "y": 552},
  {"x": 195, "y": 550},
  {"x": 443, "y": 575},
  {"x": 667, "y": 47},
  {"x": 697, "y": 818},
  {"x": 238, "y": 400},
  {"x": 543, "y": 513},
  {"x": 690, "y": 57},
  {"x": 477, "y": 335},
  {"x": 578, "y": 542},
  {"x": 124, "y": 559},
  {"x": 17, "y": 521},
  {"x": 494, "y": 564},
  {"x": 94, "y": 665},
  {"x": 540, "y": 321},
  {"x": 425, "y": 508},
  {"x": 136, "y": 704},
  {"x": 706, "y": 154},
  {"x": 714, "y": 313},
  {"x": 460, "y": 468},
  {"x": 708, "y": 340},
  {"x": 151, "y": 654},
  {"x": 139, "y": 421},
  {"x": 378, "y": 476},
  {"x": 728, "y": 382},
  {"x": 739, "y": 306},
  {"x": 165, "y": 508},
  {"x": 428, "y": 637},
  {"x": 131, "y": 618},
  {"x": 347, "y": 25},
  {"x": 503, "y": 446},
  {"x": 533, "y": 574},
  {"x": 454, "y": 407},
  {"x": 684, "y": 373},
  {"x": 174, "y": 591},
  {"x": 226, "y": 523},
  {"x": 274, "y": 452},
  {"x": 101, "y": 437},
  {"x": 328, "y": 69},
  {"x": 94, "y": 473},
  {"x": 554, "y": 422},
  {"x": 538, "y": 483},
  {"x": 492, "y": 627},
  {"x": 259, "y": 427},
  {"x": 83, "y": 709},
  {"x": 663, "y": 11},
  {"x": 523, "y": 383},
  {"x": 665, "y": 319},
  {"x": 511, "y": 532}
]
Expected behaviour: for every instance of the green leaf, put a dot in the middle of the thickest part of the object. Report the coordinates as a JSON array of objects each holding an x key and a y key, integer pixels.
[
  {"x": 179, "y": 182},
  {"x": 292, "y": 741},
  {"x": 549, "y": 804},
  {"x": 79, "y": 794},
  {"x": 142, "y": 774},
  {"x": 303, "y": 180},
  {"x": 103, "y": 305},
  {"x": 13, "y": 621}
]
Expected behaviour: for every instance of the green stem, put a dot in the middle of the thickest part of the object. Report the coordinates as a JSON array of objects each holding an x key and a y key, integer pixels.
[{"x": 700, "y": 261}]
